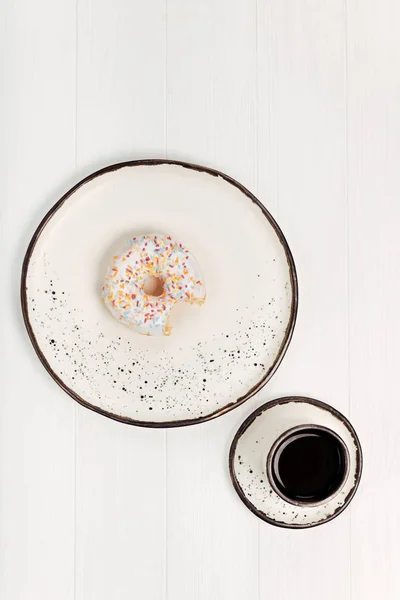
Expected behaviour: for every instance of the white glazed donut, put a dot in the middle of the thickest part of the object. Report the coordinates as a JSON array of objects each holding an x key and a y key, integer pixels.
[{"x": 144, "y": 283}]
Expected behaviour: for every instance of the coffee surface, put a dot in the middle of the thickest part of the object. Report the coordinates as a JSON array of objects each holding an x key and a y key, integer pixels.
[{"x": 309, "y": 465}]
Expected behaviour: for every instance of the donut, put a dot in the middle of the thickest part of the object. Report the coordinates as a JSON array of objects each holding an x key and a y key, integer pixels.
[{"x": 144, "y": 283}]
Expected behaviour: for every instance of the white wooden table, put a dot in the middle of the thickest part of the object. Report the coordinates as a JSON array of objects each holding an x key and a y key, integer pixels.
[{"x": 300, "y": 101}]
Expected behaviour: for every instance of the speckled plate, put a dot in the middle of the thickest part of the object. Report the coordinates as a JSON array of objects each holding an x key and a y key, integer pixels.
[
  {"x": 219, "y": 354},
  {"x": 253, "y": 442}
]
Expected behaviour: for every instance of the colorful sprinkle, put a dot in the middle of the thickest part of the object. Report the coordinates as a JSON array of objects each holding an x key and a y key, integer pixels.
[{"x": 151, "y": 255}]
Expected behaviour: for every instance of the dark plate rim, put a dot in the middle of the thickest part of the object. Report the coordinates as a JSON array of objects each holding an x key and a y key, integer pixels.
[
  {"x": 162, "y": 424},
  {"x": 246, "y": 424}
]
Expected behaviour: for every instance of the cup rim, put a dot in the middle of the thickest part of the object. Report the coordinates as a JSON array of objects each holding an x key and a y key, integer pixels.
[{"x": 281, "y": 438}]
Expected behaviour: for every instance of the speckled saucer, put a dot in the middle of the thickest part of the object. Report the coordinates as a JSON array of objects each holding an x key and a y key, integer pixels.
[
  {"x": 219, "y": 354},
  {"x": 253, "y": 442}
]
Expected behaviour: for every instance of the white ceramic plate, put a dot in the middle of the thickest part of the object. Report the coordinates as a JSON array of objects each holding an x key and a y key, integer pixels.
[
  {"x": 253, "y": 442},
  {"x": 219, "y": 354}
]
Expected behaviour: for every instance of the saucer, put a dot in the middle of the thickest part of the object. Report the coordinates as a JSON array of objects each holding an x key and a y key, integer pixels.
[
  {"x": 218, "y": 355},
  {"x": 251, "y": 447}
]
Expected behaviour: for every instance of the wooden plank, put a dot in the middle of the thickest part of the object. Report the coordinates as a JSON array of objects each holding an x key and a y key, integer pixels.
[
  {"x": 37, "y": 158},
  {"x": 211, "y": 119},
  {"x": 301, "y": 72},
  {"x": 121, "y": 81},
  {"x": 120, "y": 501},
  {"x": 120, "y": 507},
  {"x": 374, "y": 212}
]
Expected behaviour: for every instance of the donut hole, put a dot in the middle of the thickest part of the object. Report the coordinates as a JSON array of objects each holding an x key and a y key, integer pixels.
[{"x": 153, "y": 286}]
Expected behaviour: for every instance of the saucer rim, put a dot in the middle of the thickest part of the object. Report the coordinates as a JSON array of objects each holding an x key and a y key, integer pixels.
[{"x": 301, "y": 400}]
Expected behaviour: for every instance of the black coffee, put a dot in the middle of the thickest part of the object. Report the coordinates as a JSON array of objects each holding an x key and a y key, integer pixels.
[{"x": 309, "y": 465}]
